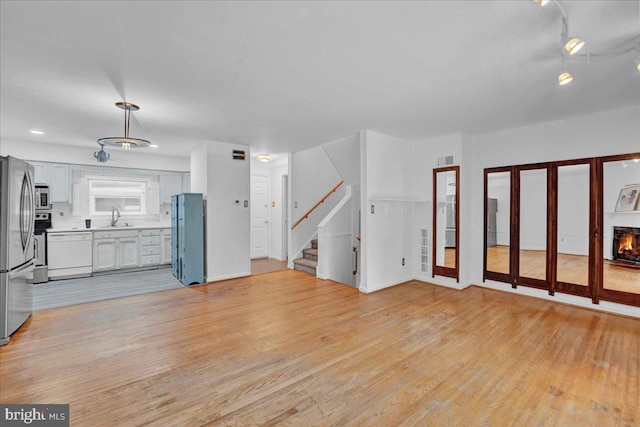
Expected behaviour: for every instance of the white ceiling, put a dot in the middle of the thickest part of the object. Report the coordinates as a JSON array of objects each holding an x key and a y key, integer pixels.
[{"x": 284, "y": 76}]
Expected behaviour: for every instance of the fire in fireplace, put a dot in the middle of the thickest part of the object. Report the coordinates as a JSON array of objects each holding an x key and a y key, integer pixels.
[{"x": 626, "y": 244}]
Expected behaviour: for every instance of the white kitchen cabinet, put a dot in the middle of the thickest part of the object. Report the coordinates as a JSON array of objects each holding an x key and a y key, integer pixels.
[
  {"x": 40, "y": 172},
  {"x": 57, "y": 176},
  {"x": 170, "y": 184},
  {"x": 150, "y": 247},
  {"x": 166, "y": 246},
  {"x": 105, "y": 254},
  {"x": 60, "y": 184},
  {"x": 128, "y": 252},
  {"x": 115, "y": 250}
]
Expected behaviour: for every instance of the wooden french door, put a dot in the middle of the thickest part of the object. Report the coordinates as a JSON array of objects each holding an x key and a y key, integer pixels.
[{"x": 562, "y": 218}]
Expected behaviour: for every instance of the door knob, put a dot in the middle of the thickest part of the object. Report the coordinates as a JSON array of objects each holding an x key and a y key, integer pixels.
[{"x": 266, "y": 222}]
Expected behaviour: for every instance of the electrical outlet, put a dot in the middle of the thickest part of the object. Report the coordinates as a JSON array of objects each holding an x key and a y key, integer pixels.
[
  {"x": 402, "y": 261},
  {"x": 373, "y": 209}
]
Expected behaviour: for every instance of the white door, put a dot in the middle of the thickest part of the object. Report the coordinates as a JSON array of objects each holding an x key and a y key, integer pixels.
[{"x": 259, "y": 217}]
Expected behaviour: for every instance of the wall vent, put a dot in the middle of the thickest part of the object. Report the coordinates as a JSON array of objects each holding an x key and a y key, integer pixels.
[
  {"x": 424, "y": 251},
  {"x": 238, "y": 155},
  {"x": 443, "y": 161}
]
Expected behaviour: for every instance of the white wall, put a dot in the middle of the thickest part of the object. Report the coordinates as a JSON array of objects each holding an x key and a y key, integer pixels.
[
  {"x": 224, "y": 182},
  {"x": 344, "y": 153},
  {"x": 424, "y": 160},
  {"x": 600, "y": 134},
  {"x": 388, "y": 233},
  {"x": 311, "y": 177},
  {"x": 143, "y": 158},
  {"x": 278, "y": 169}
]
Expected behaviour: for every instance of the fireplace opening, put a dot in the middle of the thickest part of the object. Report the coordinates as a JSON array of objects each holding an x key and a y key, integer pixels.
[{"x": 626, "y": 245}]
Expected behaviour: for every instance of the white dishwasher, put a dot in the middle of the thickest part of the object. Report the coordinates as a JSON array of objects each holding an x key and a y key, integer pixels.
[{"x": 70, "y": 254}]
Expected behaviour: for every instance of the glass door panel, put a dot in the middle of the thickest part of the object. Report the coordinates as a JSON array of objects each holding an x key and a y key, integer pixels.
[
  {"x": 532, "y": 254},
  {"x": 621, "y": 230},
  {"x": 573, "y": 208},
  {"x": 498, "y": 222},
  {"x": 445, "y": 221}
]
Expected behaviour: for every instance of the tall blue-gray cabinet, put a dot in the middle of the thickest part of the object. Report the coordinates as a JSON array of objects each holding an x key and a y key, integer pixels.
[{"x": 187, "y": 238}]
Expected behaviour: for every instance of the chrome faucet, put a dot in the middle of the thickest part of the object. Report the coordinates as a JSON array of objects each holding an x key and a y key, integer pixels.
[{"x": 115, "y": 215}]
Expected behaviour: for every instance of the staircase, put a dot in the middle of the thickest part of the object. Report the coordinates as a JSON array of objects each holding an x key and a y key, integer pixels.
[{"x": 309, "y": 261}]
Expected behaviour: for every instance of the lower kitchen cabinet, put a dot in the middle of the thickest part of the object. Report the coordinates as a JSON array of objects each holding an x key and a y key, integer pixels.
[
  {"x": 114, "y": 250},
  {"x": 104, "y": 254},
  {"x": 166, "y": 246}
]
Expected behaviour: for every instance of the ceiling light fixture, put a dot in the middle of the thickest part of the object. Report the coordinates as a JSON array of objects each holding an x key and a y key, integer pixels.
[
  {"x": 36, "y": 132},
  {"x": 570, "y": 46},
  {"x": 125, "y": 142},
  {"x": 574, "y": 45},
  {"x": 264, "y": 158},
  {"x": 564, "y": 78},
  {"x": 102, "y": 156}
]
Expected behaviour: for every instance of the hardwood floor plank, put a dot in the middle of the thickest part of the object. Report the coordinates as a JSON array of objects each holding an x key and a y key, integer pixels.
[{"x": 286, "y": 348}]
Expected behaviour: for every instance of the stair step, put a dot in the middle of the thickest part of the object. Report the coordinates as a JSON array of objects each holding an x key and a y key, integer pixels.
[
  {"x": 314, "y": 244},
  {"x": 305, "y": 265},
  {"x": 310, "y": 254}
]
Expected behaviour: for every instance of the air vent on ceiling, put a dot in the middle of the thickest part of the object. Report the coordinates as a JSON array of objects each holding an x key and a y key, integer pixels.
[
  {"x": 238, "y": 155},
  {"x": 448, "y": 160}
]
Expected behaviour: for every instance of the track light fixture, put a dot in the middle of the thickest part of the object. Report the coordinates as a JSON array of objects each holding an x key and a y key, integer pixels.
[
  {"x": 574, "y": 45},
  {"x": 564, "y": 78},
  {"x": 571, "y": 45}
]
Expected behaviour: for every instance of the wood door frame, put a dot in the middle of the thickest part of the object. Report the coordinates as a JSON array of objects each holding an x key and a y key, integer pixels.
[
  {"x": 595, "y": 289},
  {"x": 601, "y": 292},
  {"x": 436, "y": 269},
  {"x": 494, "y": 275},
  {"x": 515, "y": 253}
]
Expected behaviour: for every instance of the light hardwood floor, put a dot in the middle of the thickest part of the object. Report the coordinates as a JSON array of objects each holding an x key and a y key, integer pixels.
[
  {"x": 571, "y": 269},
  {"x": 288, "y": 349}
]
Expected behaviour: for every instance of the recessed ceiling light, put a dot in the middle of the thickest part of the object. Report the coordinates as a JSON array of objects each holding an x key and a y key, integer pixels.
[
  {"x": 264, "y": 158},
  {"x": 36, "y": 132},
  {"x": 542, "y": 2}
]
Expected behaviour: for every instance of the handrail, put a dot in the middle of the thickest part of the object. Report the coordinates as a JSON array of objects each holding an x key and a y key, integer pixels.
[{"x": 305, "y": 216}]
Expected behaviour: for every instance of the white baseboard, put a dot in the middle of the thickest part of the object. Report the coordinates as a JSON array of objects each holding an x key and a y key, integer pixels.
[
  {"x": 368, "y": 289},
  {"x": 227, "y": 277}
]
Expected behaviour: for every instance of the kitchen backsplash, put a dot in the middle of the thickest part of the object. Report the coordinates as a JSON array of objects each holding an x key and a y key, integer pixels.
[{"x": 62, "y": 217}]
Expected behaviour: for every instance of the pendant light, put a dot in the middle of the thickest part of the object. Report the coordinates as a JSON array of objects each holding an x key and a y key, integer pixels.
[{"x": 125, "y": 142}]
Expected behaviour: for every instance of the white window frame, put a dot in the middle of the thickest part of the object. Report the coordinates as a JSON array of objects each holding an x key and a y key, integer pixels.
[{"x": 93, "y": 193}]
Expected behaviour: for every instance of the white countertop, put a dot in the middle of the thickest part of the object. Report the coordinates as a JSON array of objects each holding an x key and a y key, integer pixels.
[{"x": 108, "y": 228}]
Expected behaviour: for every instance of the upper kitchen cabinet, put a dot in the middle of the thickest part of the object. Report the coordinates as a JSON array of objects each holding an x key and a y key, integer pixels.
[
  {"x": 170, "y": 184},
  {"x": 57, "y": 176}
]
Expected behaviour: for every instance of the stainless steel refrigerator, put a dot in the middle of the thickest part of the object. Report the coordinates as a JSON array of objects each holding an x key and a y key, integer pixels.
[{"x": 17, "y": 215}]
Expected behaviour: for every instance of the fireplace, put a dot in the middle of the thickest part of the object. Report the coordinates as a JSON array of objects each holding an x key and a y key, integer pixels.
[{"x": 626, "y": 245}]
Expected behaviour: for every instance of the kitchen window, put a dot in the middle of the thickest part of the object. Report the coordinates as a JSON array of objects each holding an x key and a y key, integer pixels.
[{"x": 128, "y": 196}]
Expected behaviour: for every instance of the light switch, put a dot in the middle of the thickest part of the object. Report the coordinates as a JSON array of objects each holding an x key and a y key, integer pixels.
[
  {"x": 273, "y": 204},
  {"x": 246, "y": 203}
]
